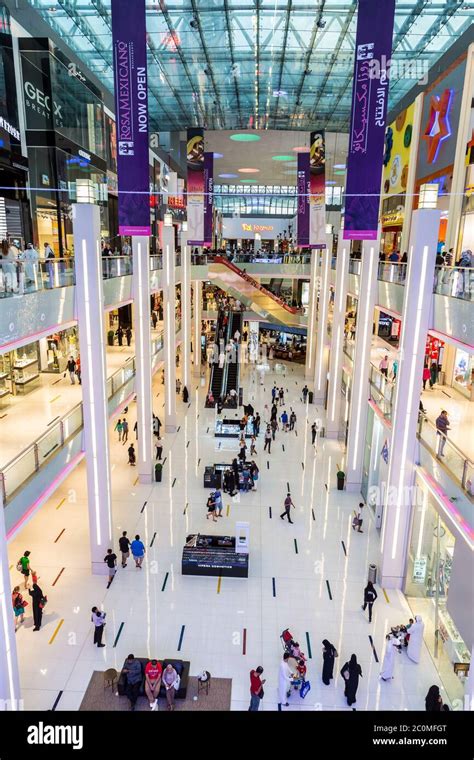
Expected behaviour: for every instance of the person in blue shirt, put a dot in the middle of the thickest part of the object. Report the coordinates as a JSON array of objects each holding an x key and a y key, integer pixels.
[
  {"x": 138, "y": 551},
  {"x": 284, "y": 420},
  {"x": 218, "y": 501}
]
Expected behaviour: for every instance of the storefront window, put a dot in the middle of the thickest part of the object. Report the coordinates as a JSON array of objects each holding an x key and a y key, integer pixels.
[
  {"x": 463, "y": 374},
  {"x": 427, "y": 582}
]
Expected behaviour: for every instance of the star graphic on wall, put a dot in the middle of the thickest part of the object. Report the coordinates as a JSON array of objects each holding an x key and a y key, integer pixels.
[{"x": 438, "y": 128}]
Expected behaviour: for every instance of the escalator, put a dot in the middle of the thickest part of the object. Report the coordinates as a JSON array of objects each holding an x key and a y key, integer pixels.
[
  {"x": 216, "y": 382},
  {"x": 231, "y": 376},
  {"x": 275, "y": 285},
  {"x": 252, "y": 294}
]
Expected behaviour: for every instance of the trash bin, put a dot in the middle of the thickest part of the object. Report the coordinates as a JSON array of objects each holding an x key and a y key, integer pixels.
[
  {"x": 310, "y": 397},
  {"x": 442, "y": 377},
  {"x": 158, "y": 472},
  {"x": 372, "y": 573},
  {"x": 341, "y": 477}
]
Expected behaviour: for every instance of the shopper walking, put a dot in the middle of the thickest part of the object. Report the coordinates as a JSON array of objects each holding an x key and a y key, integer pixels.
[
  {"x": 256, "y": 688},
  {"x": 357, "y": 521},
  {"x": 313, "y": 433},
  {"x": 442, "y": 427},
  {"x": 185, "y": 395},
  {"x": 383, "y": 366},
  {"x": 79, "y": 370},
  {"x": 218, "y": 501},
  {"x": 284, "y": 420},
  {"x": 281, "y": 396},
  {"x": 98, "y": 618},
  {"x": 370, "y": 595},
  {"x": 71, "y": 368},
  {"x": 274, "y": 427},
  {"x": 426, "y": 376},
  {"x": 120, "y": 335},
  {"x": 18, "y": 604},
  {"x": 433, "y": 701},
  {"x": 268, "y": 440},
  {"x": 415, "y": 642},
  {"x": 392, "y": 646},
  {"x": 351, "y": 672},
  {"x": 138, "y": 551},
  {"x": 128, "y": 335},
  {"x": 110, "y": 560},
  {"x": 284, "y": 680},
  {"x": 159, "y": 449},
  {"x": 124, "y": 431},
  {"x": 305, "y": 392},
  {"x": 132, "y": 459},
  {"x": 119, "y": 428},
  {"x": 329, "y": 655},
  {"x": 288, "y": 503},
  {"x": 124, "y": 545},
  {"x": 292, "y": 420},
  {"x": 24, "y": 566},
  {"x": 39, "y": 601}
]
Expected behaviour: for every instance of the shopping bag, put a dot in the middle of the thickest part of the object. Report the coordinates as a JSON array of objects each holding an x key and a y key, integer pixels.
[{"x": 305, "y": 687}]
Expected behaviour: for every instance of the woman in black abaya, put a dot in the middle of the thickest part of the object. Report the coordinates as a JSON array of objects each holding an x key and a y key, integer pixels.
[
  {"x": 351, "y": 672},
  {"x": 329, "y": 653}
]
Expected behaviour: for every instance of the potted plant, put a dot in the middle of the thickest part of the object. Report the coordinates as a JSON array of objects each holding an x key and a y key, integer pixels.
[
  {"x": 341, "y": 477},
  {"x": 158, "y": 472},
  {"x": 110, "y": 337}
]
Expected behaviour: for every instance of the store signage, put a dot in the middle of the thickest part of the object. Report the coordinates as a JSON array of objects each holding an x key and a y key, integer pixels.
[
  {"x": 393, "y": 218},
  {"x": 38, "y": 101},
  {"x": 419, "y": 569},
  {"x": 303, "y": 189},
  {"x": 438, "y": 129},
  {"x": 4, "y": 124},
  {"x": 131, "y": 108},
  {"x": 176, "y": 201},
  {"x": 84, "y": 154},
  {"x": 257, "y": 227},
  {"x": 369, "y": 108}
]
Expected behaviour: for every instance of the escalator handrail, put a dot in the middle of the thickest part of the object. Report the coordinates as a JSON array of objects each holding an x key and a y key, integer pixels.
[
  {"x": 256, "y": 285},
  {"x": 226, "y": 363}
]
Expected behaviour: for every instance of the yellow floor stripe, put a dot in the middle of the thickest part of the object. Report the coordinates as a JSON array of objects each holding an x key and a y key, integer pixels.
[
  {"x": 55, "y": 399},
  {"x": 56, "y": 631},
  {"x": 10, "y": 568},
  {"x": 61, "y": 503},
  {"x": 219, "y": 584},
  {"x": 386, "y": 597},
  {"x": 136, "y": 480},
  {"x": 228, "y": 510}
]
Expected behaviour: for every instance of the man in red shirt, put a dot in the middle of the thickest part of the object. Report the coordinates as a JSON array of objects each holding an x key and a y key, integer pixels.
[
  {"x": 256, "y": 688},
  {"x": 153, "y": 671}
]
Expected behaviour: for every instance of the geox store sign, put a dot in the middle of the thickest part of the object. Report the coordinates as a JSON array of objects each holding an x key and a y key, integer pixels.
[{"x": 43, "y": 104}]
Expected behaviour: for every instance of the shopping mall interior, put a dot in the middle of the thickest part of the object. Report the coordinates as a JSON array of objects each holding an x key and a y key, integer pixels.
[{"x": 236, "y": 289}]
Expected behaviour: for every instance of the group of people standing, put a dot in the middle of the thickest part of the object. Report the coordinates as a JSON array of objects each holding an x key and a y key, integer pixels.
[{"x": 38, "y": 599}]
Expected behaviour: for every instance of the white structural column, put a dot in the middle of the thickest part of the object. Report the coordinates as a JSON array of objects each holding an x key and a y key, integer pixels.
[
  {"x": 186, "y": 306},
  {"x": 141, "y": 303},
  {"x": 417, "y": 304},
  {"x": 90, "y": 316},
  {"x": 10, "y": 694},
  {"x": 464, "y": 134},
  {"x": 169, "y": 343},
  {"x": 197, "y": 291},
  {"x": 313, "y": 299},
  {"x": 361, "y": 367},
  {"x": 321, "y": 351},
  {"x": 337, "y": 338}
]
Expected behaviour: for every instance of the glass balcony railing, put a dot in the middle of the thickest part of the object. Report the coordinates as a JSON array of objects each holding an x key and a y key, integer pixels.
[
  {"x": 460, "y": 466},
  {"x": 116, "y": 266},
  {"x": 20, "y": 276},
  {"x": 333, "y": 262},
  {"x": 355, "y": 266},
  {"x": 382, "y": 390},
  {"x": 349, "y": 348},
  {"x": 156, "y": 262},
  {"x": 392, "y": 272},
  {"x": 457, "y": 282},
  {"x": 15, "y": 474}
]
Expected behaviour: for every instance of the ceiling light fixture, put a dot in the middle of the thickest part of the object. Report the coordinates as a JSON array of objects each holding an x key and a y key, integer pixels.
[
  {"x": 245, "y": 137},
  {"x": 282, "y": 158},
  {"x": 248, "y": 170}
]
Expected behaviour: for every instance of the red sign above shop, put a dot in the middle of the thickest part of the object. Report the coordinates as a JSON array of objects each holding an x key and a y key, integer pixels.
[{"x": 176, "y": 201}]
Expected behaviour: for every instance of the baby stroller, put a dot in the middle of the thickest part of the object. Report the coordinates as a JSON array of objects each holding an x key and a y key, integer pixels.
[{"x": 286, "y": 640}]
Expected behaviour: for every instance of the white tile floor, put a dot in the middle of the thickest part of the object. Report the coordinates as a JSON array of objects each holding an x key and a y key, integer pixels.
[{"x": 153, "y": 612}]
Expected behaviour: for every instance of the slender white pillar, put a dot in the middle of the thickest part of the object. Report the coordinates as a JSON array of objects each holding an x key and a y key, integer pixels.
[
  {"x": 141, "y": 302},
  {"x": 169, "y": 342},
  {"x": 186, "y": 306},
  {"x": 197, "y": 290},
  {"x": 417, "y": 304},
  {"x": 337, "y": 338},
  {"x": 10, "y": 694},
  {"x": 361, "y": 367},
  {"x": 321, "y": 355},
  {"x": 90, "y": 316},
  {"x": 464, "y": 134},
  {"x": 313, "y": 298}
]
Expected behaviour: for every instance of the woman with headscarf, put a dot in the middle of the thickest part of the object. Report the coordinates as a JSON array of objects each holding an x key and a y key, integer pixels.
[
  {"x": 415, "y": 641},
  {"x": 433, "y": 701},
  {"x": 351, "y": 672},
  {"x": 388, "y": 664},
  {"x": 38, "y": 605},
  {"x": 329, "y": 654}
]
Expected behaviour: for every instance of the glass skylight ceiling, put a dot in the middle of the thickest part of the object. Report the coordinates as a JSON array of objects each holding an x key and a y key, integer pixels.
[{"x": 264, "y": 64}]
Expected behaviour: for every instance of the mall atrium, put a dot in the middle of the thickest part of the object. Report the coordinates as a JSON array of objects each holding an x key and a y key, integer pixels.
[{"x": 236, "y": 356}]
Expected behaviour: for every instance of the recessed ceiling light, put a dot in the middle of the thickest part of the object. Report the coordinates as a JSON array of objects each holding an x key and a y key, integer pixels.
[
  {"x": 340, "y": 171},
  {"x": 245, "y": 137},
  {"x": 228, "y": 176},
  {"x": 218, "y": 155},
  {"x": 282, "y": 158},
  {"x": 301, "y": 149},
  {"x": 291, "y": 163},
  {"x": 339, "y": 166},
  {"x": 331, "y": 182},
  {"x": 248, "y": 181},
  {"x": 248, "y": 170}
]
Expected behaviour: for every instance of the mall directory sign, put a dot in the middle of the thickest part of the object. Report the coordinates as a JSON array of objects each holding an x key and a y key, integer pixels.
[
  {"x": 131, "y": 109},
  {"x": 369, "y": 109}
]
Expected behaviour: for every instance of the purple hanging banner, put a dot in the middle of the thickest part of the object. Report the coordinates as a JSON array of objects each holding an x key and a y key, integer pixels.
[
  {"x": 131, "y": 111},
  {"x": 208, "y": 198},
  {"x": 302, "y": 217},
  {"x": 369, "y": 110}
]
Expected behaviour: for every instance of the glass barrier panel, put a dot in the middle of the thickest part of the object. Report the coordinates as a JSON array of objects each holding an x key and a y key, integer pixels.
[
  {"x": 457, "y": 282},
  {"x": 19, "y": 470},
  {"x": 355, "y": 266},
  {"x": 389, "y": 271},
  {"x": 49, "y": 443},
  {"x": 72, "y": 421},
  {"x": 156, "y": 262},
  {"x": 443, "y": 449}
]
